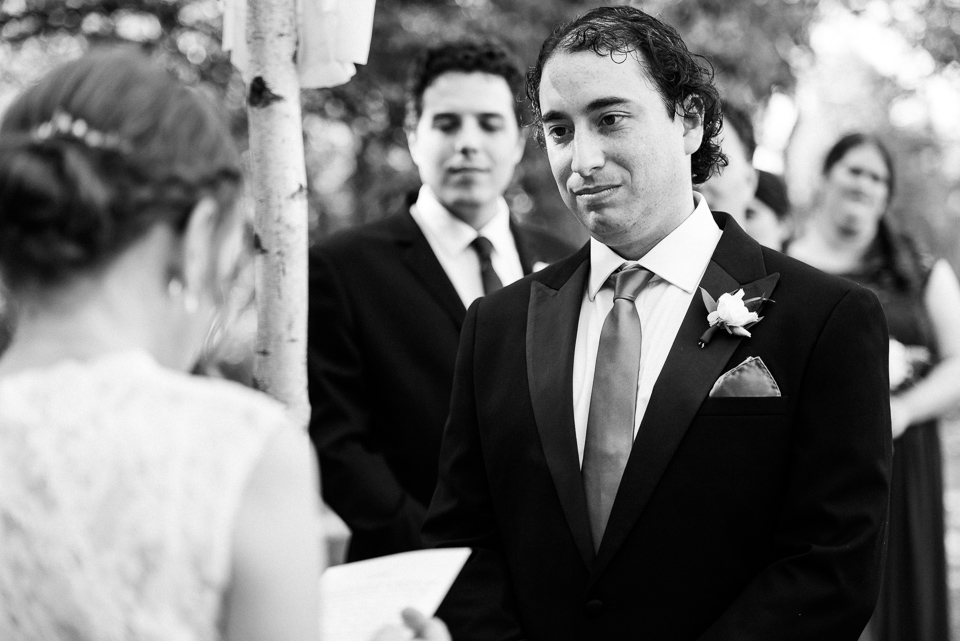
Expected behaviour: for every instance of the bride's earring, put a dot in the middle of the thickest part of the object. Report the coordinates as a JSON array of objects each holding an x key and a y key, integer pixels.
[{"x": 177, "y": 291}]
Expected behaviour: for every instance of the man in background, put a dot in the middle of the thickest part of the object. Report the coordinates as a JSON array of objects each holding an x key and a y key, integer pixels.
[
  {"x": 387, "y": 299},
  {"x": 732, "y": 188}
]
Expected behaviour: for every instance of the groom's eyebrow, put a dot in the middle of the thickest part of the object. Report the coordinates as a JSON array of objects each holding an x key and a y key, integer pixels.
[
  {"x": 603, "y": 103},
  {"x": 594, "y": 105}
]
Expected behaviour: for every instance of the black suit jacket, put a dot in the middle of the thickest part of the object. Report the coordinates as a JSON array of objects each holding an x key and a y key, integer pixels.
[
  {"x": 384, "y": 325},
  {"x": 736, "y": 518}
]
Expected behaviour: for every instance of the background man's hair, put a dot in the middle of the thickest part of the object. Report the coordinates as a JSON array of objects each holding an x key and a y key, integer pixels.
[
  {"x": 737, "y": 118},
  {"x": 466, "y": 56},
  {"x": 684, "y": 80}
]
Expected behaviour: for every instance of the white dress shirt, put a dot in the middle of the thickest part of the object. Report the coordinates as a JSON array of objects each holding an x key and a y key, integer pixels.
[
  {"x": 678, "y": 263},
  {"x": 450, "y": 238}
]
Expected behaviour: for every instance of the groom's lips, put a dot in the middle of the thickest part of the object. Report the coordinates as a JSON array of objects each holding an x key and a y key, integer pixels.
[{"x": 594, "y": 192}]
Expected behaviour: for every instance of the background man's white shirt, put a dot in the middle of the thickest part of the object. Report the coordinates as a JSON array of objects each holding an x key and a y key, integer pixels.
[
  {"x": 678, "y": 262},
  {"x": 450, "y": 238}
]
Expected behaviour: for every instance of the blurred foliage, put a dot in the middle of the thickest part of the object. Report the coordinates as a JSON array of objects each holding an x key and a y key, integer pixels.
[
  {"x": 357, "y": 155},
  {"x": 756, "y": 47},
  {"x": 753, "y": 44},
  {"x": 186, "y": 31},
  {"x": 931, "y": 24},
  {"x": 357, "y": 158},
  {"x": 357, "y": 161},
  {"x": 183, "y": 34},
  {"x": 750, "y": 42}
]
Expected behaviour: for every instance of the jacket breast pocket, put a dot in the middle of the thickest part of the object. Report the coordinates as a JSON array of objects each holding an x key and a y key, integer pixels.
[{"x": 744, "y": 406}]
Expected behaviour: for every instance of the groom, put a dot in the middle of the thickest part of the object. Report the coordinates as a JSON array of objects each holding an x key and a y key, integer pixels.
[{"x": 616, "y": 479}]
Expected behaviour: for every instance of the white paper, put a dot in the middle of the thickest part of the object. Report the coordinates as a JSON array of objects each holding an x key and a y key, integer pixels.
[{"x": 358, "y": 599}]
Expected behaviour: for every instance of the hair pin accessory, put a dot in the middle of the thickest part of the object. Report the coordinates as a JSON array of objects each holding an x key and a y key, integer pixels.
[{"x": 64, "y": 125}]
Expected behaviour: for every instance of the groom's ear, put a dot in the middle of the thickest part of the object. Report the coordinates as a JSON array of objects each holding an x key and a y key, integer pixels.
[{"x": 691, "y": 113}]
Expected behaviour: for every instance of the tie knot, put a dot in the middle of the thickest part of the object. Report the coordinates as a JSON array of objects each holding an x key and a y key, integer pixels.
[
  {"x": 483, "y": 247},
  {"x": 628, "y": 281}
]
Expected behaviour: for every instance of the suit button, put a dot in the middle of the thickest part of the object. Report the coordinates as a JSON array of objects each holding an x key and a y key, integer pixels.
[{"x": 593, "y": 608}]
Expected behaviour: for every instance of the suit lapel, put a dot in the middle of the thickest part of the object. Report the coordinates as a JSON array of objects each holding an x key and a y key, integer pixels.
[
  {"x": 418, "y": 256},
  {"x": 685, "y": 381},
  {"x": 552, "y": 319}
]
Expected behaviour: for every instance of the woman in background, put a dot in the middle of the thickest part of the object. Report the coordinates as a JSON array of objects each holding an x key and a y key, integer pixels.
[{"x": 848, "y": 234}]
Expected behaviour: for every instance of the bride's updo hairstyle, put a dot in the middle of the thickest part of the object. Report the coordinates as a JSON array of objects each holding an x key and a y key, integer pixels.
[{"x": 98, "y": 152}]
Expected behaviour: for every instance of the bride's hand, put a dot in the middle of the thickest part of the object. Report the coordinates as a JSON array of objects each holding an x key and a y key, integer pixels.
[{"x": 422, "y": 627}]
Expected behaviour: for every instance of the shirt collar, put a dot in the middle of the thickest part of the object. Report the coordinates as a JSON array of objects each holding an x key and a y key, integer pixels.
[
  {"x": 452, "y": 234},
  {"x": 680, "y": 258}
]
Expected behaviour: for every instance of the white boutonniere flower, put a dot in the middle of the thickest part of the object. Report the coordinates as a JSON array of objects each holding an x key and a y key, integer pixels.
[{"x": 731, "y": 313}]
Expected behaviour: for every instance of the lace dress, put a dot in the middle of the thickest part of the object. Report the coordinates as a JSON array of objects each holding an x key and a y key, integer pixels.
[{"x": 119, "y": 485}]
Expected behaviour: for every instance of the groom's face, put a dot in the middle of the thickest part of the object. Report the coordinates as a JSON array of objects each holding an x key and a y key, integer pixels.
[{"x": 620, "y": 157}]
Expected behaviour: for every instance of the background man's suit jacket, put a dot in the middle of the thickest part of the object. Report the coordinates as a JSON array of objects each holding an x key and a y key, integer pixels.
[
  {"x": 384, "y": 324},
  {"x": 736, "y": 518}
]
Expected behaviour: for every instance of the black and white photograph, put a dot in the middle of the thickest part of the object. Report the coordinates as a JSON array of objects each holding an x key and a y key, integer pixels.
[{"x": 479, "y": 320}]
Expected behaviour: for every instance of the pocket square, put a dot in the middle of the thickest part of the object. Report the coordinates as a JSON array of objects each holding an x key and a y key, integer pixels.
[{"x": 749, "y": 378}]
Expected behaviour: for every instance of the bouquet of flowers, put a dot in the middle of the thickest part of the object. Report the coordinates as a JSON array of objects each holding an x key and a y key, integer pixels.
[{"x": 906, "y": 364}]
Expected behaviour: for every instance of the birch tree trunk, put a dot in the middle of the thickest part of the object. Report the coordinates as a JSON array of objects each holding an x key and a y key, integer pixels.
[{"x": 278, "y": 186}]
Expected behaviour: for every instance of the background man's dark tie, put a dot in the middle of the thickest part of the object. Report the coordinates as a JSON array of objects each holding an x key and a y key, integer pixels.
[
  {"x": 614, "y": 400},
  {"x": 483, "y": 247}
]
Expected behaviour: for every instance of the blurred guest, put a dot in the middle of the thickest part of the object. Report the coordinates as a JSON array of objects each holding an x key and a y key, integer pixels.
[
  {"x": 768, "y": 214},
  {"x": 387, "y": 299},
  {"x": 731, "y": 189},
  {"x": 136, "y": 501},
  {"x": 849, "y": 234}
]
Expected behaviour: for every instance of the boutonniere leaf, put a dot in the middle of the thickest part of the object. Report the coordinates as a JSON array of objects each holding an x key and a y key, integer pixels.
[{"x": 731, "y": 313}]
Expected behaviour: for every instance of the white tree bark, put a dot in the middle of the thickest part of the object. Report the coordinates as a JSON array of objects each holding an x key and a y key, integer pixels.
[{"x": 278, "y": 185}]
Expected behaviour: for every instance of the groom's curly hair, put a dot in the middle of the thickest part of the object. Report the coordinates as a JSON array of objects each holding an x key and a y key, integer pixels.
[{"x": 683, "y": 79}]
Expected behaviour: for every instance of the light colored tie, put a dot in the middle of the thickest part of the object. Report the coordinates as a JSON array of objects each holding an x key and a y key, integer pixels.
[
  {"x": 613, "y": 403},
  {"x": 484, "y": 248}
]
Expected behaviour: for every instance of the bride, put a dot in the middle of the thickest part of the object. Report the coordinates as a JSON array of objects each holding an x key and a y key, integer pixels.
[{"x": 136, "y": 501}]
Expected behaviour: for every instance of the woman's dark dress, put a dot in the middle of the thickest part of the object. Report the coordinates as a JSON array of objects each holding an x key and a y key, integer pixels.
[{"x": 913, "y": 597}]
